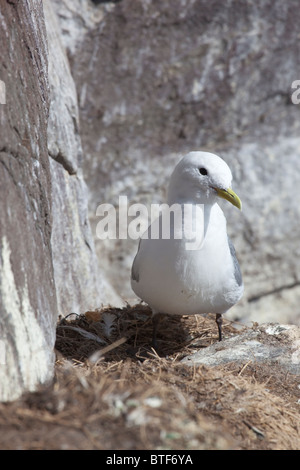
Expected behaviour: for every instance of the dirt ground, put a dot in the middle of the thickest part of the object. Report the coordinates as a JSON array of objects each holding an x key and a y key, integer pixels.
[{"x": 112, "y": 391}]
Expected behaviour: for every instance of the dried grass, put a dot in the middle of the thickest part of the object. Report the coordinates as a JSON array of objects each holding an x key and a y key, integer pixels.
[{"x": 129, "y": 397}]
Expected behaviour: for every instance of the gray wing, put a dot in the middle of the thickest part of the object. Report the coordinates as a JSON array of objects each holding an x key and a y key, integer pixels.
[
  {"x": 135, "y": 270},
  {"x": 237, "y": 271}
]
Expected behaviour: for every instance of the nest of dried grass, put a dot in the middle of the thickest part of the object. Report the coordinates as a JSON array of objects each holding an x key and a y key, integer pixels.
[
  {"x": 117, "y": 333},
  {"x": 112, "y": 391}
]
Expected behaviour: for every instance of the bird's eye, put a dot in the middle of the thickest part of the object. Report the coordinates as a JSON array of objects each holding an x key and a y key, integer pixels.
[{"x": 203, "y": 171}]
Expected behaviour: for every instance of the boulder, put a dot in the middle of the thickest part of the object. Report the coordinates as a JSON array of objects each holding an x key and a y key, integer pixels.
[
  {"x": 270, "y": 344},
  {"x": 27, "y": 288},
  {"x": 48, "y": 264},
  {"x": 158, "y": 79},
  {"x": 80, "y": 283}
]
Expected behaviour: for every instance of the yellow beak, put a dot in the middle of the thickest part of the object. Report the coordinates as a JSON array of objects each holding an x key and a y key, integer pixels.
[{"x": 230, "y": 196}]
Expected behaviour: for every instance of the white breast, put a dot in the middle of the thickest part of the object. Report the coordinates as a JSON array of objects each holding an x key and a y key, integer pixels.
[{"x": 180, "y": 281}]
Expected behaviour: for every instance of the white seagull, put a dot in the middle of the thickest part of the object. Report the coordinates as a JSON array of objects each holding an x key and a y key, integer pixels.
[{"x": 176, "y": 278}]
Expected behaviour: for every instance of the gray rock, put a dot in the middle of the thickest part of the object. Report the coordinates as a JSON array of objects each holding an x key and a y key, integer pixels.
[
  {"x": 156, "y": 80},
  {"x": 270, "y": 344},
  {"x": 80, "y": 283},
  {"x": 48, "y": 263},
  {"x": 28, "y": 308}
]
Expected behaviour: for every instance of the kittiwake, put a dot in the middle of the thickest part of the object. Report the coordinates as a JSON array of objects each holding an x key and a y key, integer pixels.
[{"x": 169, "y": 273}]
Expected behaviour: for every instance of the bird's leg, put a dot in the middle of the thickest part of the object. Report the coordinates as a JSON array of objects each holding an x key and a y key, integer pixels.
[
  {"x": 219, "y": 321},
  {"x": 155, "y": 321}
]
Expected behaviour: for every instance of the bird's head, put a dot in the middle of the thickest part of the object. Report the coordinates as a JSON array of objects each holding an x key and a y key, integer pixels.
[{"x": 201, "y": 177}]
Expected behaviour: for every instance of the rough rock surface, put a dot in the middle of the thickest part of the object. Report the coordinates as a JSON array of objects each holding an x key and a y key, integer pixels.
[
  {"x": 27, "y": 292},
  {"x": 153, "y": 79},
  {"x": 270, "y": 344},
  {"x": 80, "y": 283},
  {"x": 48, "y": 264},
  {"x": 157, "y": 79}
]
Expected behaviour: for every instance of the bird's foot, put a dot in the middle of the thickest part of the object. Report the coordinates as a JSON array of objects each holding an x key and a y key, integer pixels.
[{"x": 219, "y": 321}]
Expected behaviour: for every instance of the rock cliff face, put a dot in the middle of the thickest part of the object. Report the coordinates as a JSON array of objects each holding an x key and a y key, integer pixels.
[
  {"x": 80, "y": 283},
  {"x": 157, "y": 79},
  {"x": 47, "y": 260},
  {"x": 27, "y": 291},
  {"x": 111, "y": 94}
]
